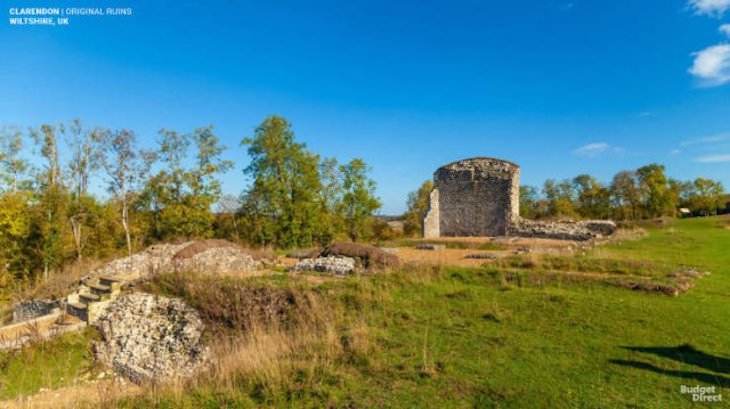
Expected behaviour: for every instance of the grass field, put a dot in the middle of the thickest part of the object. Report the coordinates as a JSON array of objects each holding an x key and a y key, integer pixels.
[{"x": 493, "y": 337}]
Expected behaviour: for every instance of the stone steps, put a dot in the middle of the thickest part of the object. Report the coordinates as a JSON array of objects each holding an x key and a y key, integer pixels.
[
  {"x": 92, "y": 296},
  {"x": 78, "y": 309},
  {"x": 89, "y": 297}
]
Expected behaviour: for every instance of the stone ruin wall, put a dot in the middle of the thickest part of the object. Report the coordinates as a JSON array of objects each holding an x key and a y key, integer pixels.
[
  {"x": 27, "y": 310},
  {"x": 480, "y": 197},
  {"x": 473, "y": 197}
]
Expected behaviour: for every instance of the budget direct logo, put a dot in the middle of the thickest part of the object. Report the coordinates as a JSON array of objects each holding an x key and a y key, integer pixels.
[{"x": 701, "y": 393}]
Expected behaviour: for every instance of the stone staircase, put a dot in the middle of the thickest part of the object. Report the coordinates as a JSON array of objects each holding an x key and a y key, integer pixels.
[{"x": 92, "y": 296}]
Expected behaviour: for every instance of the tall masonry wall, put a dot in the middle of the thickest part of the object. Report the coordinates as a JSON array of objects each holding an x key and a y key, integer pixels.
[{"x": 473, "y": 197}]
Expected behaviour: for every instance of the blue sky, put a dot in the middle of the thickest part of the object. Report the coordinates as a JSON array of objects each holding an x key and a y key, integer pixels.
[{"x": 559, "y": 87}]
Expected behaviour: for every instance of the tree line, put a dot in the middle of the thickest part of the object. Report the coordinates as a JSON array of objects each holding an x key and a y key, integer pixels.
[
  {"x": 643, "y": 193},
  {"x": 49, "y": 215}
]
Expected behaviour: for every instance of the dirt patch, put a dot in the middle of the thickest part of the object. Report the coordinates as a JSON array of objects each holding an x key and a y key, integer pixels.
[
  {"x": 371, "y": 257},
  {"x": 451, "y": 257},
  {"x": 204, "y": 245}
]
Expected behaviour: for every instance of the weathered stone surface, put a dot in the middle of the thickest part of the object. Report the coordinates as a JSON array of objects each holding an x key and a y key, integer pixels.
[
  {"x": 27, "y": 310},
  {"x": 431, "y": 222},
  {"x": 153, "y": 260},
  {"x": 217, "y": 260},
  {"x": 165, "y": 258},
  {"x": 473, "y": 197},
  {"x": 563, "y": 230},
  {"x": 148, "y": 338},
  {"x": 331, "y": 264}
]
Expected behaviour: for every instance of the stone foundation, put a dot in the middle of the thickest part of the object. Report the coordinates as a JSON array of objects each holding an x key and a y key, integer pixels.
[
  {"x": 27, "y": 310},
  {"x": 563, "y": 230}
]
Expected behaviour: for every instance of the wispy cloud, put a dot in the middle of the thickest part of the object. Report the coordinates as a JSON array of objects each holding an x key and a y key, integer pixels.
[
  {"x": 712, "y": 65},
  {"x": 714, "y": 8},
  {"x": 713, "y": 158},
  {"x": 721, "y": 137},
  {"x": 563, "y": 5},
  {"x": 725, "y": 29},
  {"x": 645, "y": 114},
  {"x": 596, "y": 149}
]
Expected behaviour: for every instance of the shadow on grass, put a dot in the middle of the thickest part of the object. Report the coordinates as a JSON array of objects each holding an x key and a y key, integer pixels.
[
  {"x": 703, "y": 377},
  {"x": 689, "y": 355}
]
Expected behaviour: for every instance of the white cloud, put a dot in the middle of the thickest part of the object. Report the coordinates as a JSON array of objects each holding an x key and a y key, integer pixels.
[
  {"x": 712, "y": 65},
  {"x": 675, "y": 152},
  {"x": 725, "y": 29},
  {"x": 595, "y": 149},
  {"x": 714, "y": 8},
  {"x": 713, "y": 159}
]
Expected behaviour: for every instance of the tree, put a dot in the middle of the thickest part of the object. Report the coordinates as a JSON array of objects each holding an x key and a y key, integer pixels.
[
  {"x": 52, "y": 202},
  {"x": 85, "y": 154},
  {"x": 283, "y": 206},
  {"x": 12, "y": 166},
  {"x": 560, "y": 197},
  {"x": 15, "y": 230},
  {"x": 84, "y": 147},
  {"x": 655, "y": 195},
  {"x": 706, "y": 196},
  {"x": 625, "y": 195},
  {"x": 226, "y": 224},
  {"x": 418, "y": 203},
  {"x": 358, "y": 199},
  {"x": 592, "y": 198},
  {"x": 179, "y": 197},
  {"x": 529, "y": 202},
  {"x": 126, "y": 167},
  {"x": 331, "y": 193}
]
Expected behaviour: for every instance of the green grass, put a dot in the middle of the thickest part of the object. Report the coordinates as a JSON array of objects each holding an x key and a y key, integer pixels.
[
  {"x": 513, "y": 337},
  {"x": 46, "y": 364}
]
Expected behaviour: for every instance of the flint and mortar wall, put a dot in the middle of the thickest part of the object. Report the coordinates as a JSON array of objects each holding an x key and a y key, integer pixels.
[
  {"x": 27, "y": 310},
  {"x": 473, "y": 197}
]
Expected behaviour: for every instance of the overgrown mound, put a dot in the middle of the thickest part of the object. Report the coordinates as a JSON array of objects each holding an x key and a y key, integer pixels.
[
  {"x": 231, "y": 304},
  {"x": 148, "y": 338},
  {"x": 369, "y": 257}
]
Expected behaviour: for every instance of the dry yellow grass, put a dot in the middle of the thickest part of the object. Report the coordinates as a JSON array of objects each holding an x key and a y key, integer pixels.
[{"x": 90, "y": 394}]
